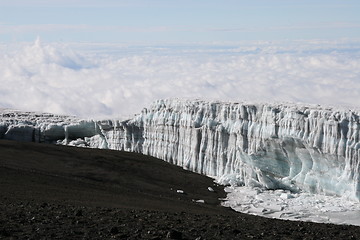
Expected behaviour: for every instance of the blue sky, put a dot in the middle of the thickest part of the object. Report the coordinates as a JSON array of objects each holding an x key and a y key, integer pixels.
[
  {"x": 119, "y": 56},
  {"x": 177, "y": 21}
]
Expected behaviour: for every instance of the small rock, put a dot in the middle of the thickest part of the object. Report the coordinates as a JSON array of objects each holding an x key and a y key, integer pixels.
[
  {"x": 79, "y": 213},
  {"x": 213, "y": 226},
  {"x": 180, "y": 191},
  {"x": 173, "y": 234},
  {"x": 4, "y": 232},
  {"x": 211, "y": 189},
  {"x": 114, "y": 230},
  {"x": 125, "y": 236},
  {"x": 43, "y": 205},
  {"x": 78, "y": 232}
]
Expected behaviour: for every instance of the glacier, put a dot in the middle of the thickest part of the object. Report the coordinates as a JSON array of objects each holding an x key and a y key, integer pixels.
[{"x": 297, "y": 148}]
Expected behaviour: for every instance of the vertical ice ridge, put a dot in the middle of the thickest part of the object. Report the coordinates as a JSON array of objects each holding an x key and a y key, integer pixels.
[{"x": 274, "y": 146}]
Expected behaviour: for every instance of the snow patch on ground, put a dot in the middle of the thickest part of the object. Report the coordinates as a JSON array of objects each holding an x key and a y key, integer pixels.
[{"x": 283, "y": 204}]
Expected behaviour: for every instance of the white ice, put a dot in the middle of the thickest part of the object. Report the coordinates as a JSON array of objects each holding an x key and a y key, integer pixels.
[
  {"x": 282, "y": 204},
  {"x": 302, "y": 148}
]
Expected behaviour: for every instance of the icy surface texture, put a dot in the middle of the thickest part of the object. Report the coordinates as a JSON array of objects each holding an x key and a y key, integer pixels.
[
  {"x": 270, "y": 146},
  {"x": 283, "y": 204},
  {"x": 43, "y": 127}
]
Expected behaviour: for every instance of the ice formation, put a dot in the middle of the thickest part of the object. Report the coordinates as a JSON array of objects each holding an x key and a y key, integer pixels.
[
  {"x": 271, "y": 146},
  {"x": 283, "y": 204}
]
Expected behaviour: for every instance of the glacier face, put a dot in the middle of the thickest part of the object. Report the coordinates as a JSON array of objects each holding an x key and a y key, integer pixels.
[{"x": 285, "y": 146}]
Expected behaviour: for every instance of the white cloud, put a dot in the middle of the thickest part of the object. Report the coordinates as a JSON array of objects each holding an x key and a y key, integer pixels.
[{"x": 111, "y": 80}]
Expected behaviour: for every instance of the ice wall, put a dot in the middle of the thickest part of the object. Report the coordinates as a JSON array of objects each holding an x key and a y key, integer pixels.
[
  {"x": 287, "y": 146},
  {"x": 43, "y": 127}
]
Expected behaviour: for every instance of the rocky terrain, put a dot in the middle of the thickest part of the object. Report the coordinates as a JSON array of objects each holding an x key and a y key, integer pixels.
[{"x": 58, "y": 192}]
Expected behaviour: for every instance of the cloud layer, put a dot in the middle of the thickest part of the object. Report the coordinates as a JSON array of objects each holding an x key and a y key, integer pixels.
[{"x": 91, "y": 80}]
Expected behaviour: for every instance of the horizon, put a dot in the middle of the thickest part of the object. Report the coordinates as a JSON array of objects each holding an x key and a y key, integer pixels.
[
  {"x": 113, "y": 58},
  {"x": 162, "y": 21}
]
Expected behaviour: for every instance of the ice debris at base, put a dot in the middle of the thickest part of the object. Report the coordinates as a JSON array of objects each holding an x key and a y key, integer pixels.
[
  {"x": 269, "y": 146},
  {"x": 283, "y": 204}
]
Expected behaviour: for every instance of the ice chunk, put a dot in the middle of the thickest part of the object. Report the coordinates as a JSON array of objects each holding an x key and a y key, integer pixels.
[
  {"x": 300, "y": 206},
  {"x": 286, "y": 196}
]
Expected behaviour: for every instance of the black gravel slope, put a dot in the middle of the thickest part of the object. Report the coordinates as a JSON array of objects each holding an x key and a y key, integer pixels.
[{"x": 57, "y": 192}]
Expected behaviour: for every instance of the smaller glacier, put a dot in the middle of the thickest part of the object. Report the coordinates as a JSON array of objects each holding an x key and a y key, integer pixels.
[{"x": 273, "y": 146}]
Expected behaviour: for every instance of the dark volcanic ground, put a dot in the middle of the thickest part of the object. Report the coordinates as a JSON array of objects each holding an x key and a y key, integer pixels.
[{"x": 57, "y": 192}]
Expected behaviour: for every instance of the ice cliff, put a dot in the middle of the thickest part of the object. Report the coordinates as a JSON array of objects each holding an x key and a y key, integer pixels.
[{"x": 309, "y": 148}]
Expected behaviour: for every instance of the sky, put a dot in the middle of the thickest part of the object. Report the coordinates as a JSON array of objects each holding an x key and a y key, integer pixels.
[
  {"x": 111, "y": 58},
  {"x": 177, "y": 21}
]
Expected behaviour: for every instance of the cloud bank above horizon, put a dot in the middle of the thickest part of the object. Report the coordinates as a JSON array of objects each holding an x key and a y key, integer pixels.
[
  {"x": 183, "y": 21},
  {"x": 112, "y": 80}
]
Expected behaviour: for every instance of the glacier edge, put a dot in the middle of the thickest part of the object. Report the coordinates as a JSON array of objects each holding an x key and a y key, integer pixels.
[{"x": 300, "y": 148}]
